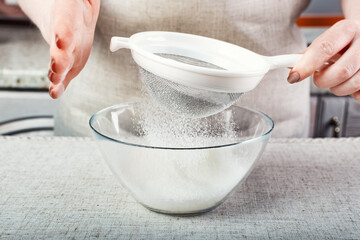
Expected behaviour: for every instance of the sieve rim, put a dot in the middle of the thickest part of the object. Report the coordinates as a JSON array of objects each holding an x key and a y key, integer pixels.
[
  {"x": 129, "y": 104},
  {"x": 228, "y": 73}
]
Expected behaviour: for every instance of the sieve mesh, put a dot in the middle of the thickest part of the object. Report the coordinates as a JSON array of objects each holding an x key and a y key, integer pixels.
[{"x": 183, "y": 100}]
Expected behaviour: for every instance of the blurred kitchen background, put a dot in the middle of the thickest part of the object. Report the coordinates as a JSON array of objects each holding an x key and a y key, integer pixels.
[{"x": 27, "y": 109}]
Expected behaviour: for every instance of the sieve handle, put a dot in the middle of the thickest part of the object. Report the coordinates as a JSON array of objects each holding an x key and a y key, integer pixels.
[
  {"x": 281, "y": 61},
  {"x": 288, "y": 61},
  {"x": 118, "y": 43}
]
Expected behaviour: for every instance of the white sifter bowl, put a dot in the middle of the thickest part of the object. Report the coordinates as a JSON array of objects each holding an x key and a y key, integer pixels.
[{"x": 240, "y": 70}]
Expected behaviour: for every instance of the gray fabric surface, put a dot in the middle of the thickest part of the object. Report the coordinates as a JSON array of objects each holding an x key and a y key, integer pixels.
[{"x": 61, "y": 188}]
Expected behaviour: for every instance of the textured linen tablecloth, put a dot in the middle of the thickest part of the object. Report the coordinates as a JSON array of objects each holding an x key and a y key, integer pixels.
[{"x": 62, "y": 188}]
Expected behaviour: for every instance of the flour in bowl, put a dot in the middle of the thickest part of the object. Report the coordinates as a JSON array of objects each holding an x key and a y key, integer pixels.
[{"x": 182, "y": 180}]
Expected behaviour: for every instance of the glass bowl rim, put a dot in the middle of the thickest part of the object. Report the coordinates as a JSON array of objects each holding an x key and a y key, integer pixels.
[{"x": 266, "y": 134}]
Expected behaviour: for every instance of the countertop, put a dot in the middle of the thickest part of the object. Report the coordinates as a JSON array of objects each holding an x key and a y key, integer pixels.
[
  {"x": 58, "y": 187},
  {"x": 24, "y": 58}
]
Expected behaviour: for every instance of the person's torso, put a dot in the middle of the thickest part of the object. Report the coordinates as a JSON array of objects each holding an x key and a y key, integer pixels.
[
  {"x": 266, "y": 27},
  {"x": 242, "y": 22}
]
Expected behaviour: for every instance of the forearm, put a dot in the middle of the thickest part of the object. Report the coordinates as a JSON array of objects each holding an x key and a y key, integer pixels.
[
  {"x": 38, "y": 12},
  {"x": 351, "y": 9}
]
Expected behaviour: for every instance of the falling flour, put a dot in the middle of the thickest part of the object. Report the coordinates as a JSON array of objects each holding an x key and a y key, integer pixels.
[
  {"x": 185, "y": 100},
  {"x": 178, "y": 180}
]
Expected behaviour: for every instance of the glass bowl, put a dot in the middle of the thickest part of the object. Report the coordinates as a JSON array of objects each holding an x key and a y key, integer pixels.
[{"x": 173, "y": 171}]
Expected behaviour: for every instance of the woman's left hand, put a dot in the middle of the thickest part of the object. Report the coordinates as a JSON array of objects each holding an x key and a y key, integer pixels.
[{"x": 340, "y": 47}]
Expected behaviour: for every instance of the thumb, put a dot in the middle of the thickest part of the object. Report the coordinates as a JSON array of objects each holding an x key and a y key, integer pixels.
[{"x": 325, "y": 47}]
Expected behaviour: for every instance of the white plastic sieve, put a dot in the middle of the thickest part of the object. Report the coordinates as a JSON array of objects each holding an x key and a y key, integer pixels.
[{"x": 197, "y": 76}]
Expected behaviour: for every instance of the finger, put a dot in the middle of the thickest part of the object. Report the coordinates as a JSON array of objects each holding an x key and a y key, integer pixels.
[
  {"x": 56, "y": 90},
  {"x": 325, "y": 47},
  {"x": 64, "y": 35},
  {"x": 347, "y": 87},
  {"x": 70, "y": 76},
  {"x": 61, "y": 63},
  {"x": 343, "y": 69},
  {"x": 56, "y": 78}
]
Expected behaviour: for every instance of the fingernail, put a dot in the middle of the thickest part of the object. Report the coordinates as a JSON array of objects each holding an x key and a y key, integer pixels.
[
  {"x": 57, "y": 91},
  {"x": 293, "y": 77},
  {"x": 52, "y": 64},
  {"x": 51, "y": 93},
  {"x": 50, "y": 74}
]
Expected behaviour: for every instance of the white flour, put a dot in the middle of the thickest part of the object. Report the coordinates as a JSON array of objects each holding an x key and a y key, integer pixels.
[
  {"x": 182, "y": 181},
  {"x": 185, "y": 100}
]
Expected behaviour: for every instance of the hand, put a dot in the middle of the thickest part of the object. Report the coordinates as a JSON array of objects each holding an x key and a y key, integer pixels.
[
  {"x": 339, "y": 46},
  {"x": 71, "y": 34},
  {"x": 68, "y": 26}
]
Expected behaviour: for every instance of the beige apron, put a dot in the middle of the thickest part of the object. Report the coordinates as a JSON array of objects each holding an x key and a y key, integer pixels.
[{"x": 266, "y": 27}]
